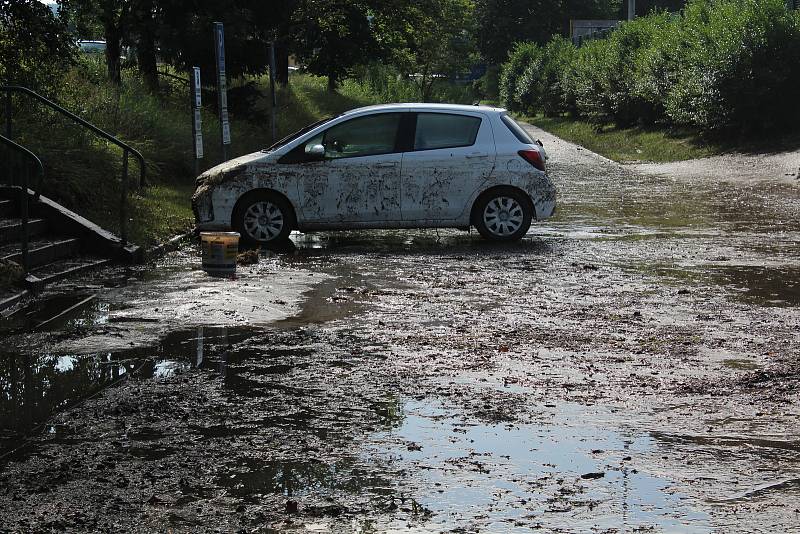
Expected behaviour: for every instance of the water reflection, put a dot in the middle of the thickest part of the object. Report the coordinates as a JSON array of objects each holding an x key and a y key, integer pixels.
[
  {"x": 33, "y": 386},
  {"x": 555, "y": 475}
]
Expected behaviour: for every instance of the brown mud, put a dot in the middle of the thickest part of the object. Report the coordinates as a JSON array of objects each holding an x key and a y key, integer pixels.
[{"x": 632, "y": 365}]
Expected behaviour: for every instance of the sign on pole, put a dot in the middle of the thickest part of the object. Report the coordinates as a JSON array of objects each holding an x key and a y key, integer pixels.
[
  {"x": 222, "y": 91},
  {"x": 274, "y": 106},
  {"x": 197, "y": 123}
]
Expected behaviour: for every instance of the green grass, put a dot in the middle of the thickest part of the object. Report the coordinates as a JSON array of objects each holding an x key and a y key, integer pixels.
[{"x": 628, "y": 144}]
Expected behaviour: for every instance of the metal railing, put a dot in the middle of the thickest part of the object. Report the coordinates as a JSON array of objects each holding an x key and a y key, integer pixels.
[
  {"x": 23, "y": 205},
  {"x": 126, "y": 149}
]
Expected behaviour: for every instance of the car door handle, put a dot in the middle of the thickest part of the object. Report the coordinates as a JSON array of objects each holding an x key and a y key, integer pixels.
[
  {"x": 475, "y": 155},
  {"x": 387, "y": 164}
]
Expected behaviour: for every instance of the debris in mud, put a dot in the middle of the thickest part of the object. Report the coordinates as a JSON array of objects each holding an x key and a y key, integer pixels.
[{"x": 248, "y": 257}]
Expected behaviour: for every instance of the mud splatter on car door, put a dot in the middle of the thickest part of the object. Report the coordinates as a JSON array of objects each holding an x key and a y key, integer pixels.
[{"x": 451, "y": 157}]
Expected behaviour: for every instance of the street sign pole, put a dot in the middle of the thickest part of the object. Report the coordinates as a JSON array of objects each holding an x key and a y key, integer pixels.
[
  {"x": 222, "y": 91},
  {"x": 631, "y": 9},
  {"x": 197, "y": 124},
  {"x": 274, "y": 107}
]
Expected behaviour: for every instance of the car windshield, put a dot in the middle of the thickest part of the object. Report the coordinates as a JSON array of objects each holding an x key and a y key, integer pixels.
[{"x": 291, "y": 137}]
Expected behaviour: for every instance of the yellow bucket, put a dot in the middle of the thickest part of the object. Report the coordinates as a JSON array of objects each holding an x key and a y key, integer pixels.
[{"x": 219, "y": 252}]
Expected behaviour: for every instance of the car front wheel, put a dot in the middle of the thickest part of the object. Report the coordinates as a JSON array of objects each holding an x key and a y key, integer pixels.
[
  {"x": 262, "y": 219},
  {"x": 503, "y": 215}
]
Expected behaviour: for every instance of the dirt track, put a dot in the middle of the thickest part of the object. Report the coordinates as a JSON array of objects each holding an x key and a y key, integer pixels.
[{"x": 632, "y": 364}]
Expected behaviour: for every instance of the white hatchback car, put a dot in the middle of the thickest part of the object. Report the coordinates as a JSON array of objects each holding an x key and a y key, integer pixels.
[{"x": 388, "y": 166}]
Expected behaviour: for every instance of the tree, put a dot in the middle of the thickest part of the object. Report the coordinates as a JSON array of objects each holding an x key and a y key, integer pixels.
[
  {"x": 186, "y": 39},
  {"x": 440, "y": 43},
  {"x": 34, "y": 44},
  {"x": 501, "y": 23},
  {"x": 331, "y": 37},
  {"x": 113, "y": 17}
]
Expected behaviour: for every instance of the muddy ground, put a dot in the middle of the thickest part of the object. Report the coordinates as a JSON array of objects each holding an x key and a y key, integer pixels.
[{"x": 631, "y": 366}]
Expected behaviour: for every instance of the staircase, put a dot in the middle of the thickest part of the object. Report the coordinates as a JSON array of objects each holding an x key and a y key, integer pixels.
[
  {"x": 49, "y": 241},
  {"x": 55, "y": 250}
]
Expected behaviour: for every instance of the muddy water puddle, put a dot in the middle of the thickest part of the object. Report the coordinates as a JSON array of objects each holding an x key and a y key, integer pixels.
[
  {"x": 517, "y": 477},
  {"x": 35, "y": 386}
]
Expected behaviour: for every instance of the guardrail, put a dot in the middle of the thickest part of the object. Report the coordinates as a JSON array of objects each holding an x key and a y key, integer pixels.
[
  {"x": 126, "y": 149},
  {"x": 23, "y": 205}
]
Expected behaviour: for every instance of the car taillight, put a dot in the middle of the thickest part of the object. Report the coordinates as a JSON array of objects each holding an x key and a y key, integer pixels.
[{"x": 534, "y": 157}]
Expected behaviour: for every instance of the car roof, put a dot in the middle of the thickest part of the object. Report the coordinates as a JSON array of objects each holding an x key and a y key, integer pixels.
[{"x": 420, "y": 106}]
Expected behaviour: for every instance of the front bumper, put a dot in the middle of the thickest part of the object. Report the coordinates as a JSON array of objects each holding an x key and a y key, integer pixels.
[{"x": 203, "y": 208}]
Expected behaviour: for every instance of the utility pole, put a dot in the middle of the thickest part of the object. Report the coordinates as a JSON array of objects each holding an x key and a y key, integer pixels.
[{"x": 631, "y": 9}]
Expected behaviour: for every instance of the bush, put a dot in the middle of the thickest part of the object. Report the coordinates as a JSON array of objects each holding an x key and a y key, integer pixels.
[
  {"x": 741, "y": 66},
  {"x": 724, "y": 65},
  {"x": 558, "y": 55},
  {"x": 519, "y": 58}
]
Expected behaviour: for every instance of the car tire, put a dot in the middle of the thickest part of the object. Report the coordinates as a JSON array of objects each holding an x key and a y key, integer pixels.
[
  {"x": 263, "y": 218},
  {"x": 503, "y": 214}
]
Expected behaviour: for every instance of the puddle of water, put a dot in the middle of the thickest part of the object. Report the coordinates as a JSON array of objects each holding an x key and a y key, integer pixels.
[
  {"x": 56, "y": 312},
  {"x": 33, "y": 387},
  {"x": 253, "y": 478},
  {"x": 512, "y": 478},
  {"x": 767, "y": 286},
  {"x": 740, "y": 364}
]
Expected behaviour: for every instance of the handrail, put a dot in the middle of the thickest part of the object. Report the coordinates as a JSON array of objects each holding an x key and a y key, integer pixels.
[
  {"x": 126, "y": 149},
  {"x": 24, "y": 196}
]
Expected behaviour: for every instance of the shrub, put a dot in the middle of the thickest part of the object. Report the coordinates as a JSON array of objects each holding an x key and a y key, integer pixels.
[
  {"x": 518, "y": 59},
  {"x": 724, "y": 65},
  {"x": 558, "y": 55},
  {"x": 741, "y": 66}
]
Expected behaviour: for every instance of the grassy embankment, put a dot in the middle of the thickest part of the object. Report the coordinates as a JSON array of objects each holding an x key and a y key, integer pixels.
[
  {"x": 82, "y": 171},
  {"x": 628, "y": 144}
]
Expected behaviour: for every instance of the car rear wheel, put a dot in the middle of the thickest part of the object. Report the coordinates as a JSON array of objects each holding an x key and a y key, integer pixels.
[
  {"x": 262, "y": 219},
  {"x": 503, "y": 215}
]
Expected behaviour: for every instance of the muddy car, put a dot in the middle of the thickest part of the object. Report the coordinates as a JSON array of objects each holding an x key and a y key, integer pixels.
[{"x": 388, "y": 166}]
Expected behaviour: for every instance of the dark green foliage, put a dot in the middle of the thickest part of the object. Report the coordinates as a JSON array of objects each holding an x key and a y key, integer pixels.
[
  {"x": 502, "y": 23},
  {"x": 34, "y": 45},
  {"x": 740, "y": 66},
  {"x": 559, "y": 54},
  {"x": 724, "y": 65},
  {"x": 522, "y": 55}
]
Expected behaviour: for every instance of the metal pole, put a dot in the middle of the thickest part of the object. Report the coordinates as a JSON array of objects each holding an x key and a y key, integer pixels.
[
  {"x": 8, "y": 114},
  {"x": 195, "y": 108},
  {"x": 23, "y": 209},
  {"x": 631, "y": 9},
  {"x": 194, "y": 132},
  {"x": 222, "y": 96},
  {"x": 9, "y": 167},
  {"x": 123, "y": 206},
  {"x": 274, "y": 108}
]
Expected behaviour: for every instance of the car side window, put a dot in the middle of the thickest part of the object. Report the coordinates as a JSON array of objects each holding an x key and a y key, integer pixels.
[
  {"x": 362, "y": 136},
  {"x": 444, "y": 130}
]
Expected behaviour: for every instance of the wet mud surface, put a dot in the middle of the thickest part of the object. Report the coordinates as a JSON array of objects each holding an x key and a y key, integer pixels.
[{"x": 631, "y": 366}]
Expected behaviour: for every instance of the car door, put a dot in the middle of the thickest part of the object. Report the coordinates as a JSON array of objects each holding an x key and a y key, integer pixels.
[
  {"x": 358, "y": 178},
  {"x": 452, "y": 154}
]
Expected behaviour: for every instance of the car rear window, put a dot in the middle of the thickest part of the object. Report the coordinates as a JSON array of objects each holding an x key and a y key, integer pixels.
[
  {"x": 517, "y": 130},
  {"x": 444, "y": 130}
]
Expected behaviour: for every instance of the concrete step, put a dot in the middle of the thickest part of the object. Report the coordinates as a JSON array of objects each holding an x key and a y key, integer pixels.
[
  {"x": 11, "y": 229},
  {"x": 61, "y": 269},
  {"x": 42, "y": 251},
  {"x": 11, "y": 296},
  {"x": 8, "y": 209}
]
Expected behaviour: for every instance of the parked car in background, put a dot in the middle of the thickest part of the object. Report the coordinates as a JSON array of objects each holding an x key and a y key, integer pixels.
[
  {"x": 387, "y": 166},
  {"x": 92, "y": 47}
]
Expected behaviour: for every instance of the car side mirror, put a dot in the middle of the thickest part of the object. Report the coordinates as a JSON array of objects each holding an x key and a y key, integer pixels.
[{"x": 316, "y": 151}]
